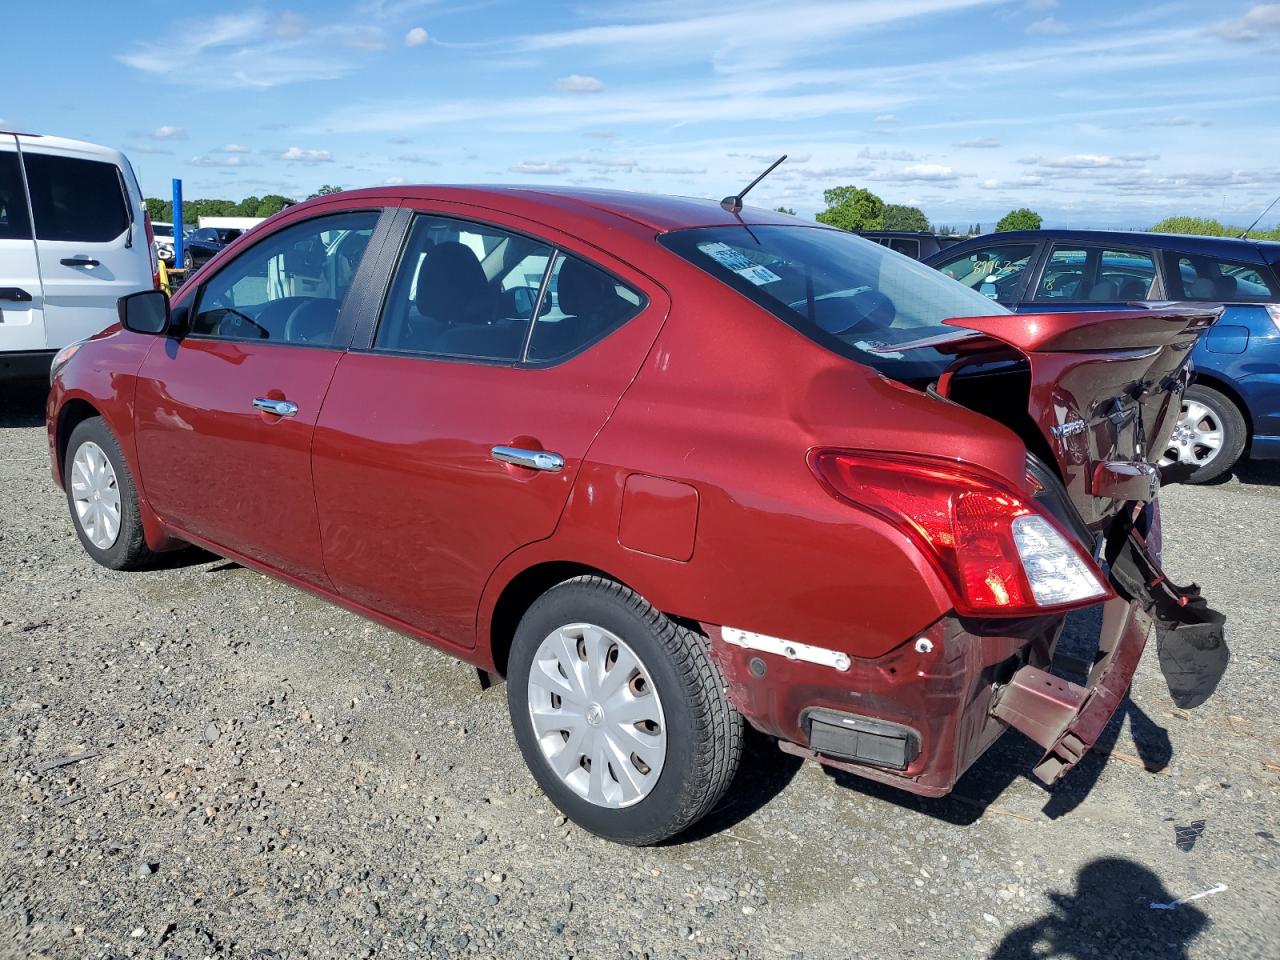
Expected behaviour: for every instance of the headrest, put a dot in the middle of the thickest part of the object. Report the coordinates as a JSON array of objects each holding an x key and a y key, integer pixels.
[
  {"x": 1105, "y": 290},
  {"x": 582, "y": 290},
  {"x": 1202, "y": 288},
  {"x": 451, "y": 285}
]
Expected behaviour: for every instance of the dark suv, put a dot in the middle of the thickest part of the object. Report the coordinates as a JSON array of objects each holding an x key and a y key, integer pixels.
[
  {"x": 1233, "y": 404},
  {"x": 917, "y": 245}
]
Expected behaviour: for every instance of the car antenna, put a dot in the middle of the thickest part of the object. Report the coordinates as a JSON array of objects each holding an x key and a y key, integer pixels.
[
  {"x": 1241, "y": 237},
  {"x": 733, "y": 204}
]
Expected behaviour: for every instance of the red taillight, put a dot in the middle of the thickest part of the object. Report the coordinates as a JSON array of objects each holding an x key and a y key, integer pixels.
[{"x": 970, "y": 528}]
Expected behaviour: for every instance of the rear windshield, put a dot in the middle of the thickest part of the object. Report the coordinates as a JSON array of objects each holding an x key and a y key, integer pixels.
[{"x": 851, "y": 295}]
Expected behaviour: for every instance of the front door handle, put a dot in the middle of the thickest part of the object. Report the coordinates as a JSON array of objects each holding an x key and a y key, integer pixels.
[
  {"x": 79, "y": 262},
  {"x": 281, "y": 408},
  {"x": 16, "y": 294},
  {"x": 533, "y": 459}
]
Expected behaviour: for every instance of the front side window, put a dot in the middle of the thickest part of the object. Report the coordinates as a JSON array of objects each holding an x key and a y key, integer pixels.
[
  {"x": 1096, "y": 273},
  {"x": 1218, "y": 281},
  {"x": 842, "y": 291},
  {"x": 289, "y": 286},
  {"x": 463, "y": 289},
  {"x": 14, "y": 222},
  {"x": 997, "y": 271},
  {"x": 75, "y": 199}
]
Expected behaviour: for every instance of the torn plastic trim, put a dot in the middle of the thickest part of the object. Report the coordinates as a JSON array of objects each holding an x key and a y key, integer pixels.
[{"x": 790, "y": 649}]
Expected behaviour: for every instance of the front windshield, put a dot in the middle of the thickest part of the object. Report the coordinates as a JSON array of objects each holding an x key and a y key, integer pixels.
[{"x": 850, "y": 295}]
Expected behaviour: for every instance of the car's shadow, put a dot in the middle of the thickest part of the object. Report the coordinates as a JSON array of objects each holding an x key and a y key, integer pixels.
[{"x": 22, "y": 403}]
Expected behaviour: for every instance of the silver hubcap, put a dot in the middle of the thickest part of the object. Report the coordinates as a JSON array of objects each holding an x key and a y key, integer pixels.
[
  {"x": 95, "y": 495},
  {"x": 597, "y": 715},
  {"x": 1197, "y": 438}
]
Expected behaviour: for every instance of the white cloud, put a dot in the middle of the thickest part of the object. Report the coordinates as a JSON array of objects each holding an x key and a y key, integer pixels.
[
  {"x": 235, "y": 148},
  {"x": 251, "y": 49},
  {"x": 1263, "y": 18},
  {"x": 393, "y": 181},
  {"x": 1091, "y": 161},
  {"x": 207, "y": 160},
  {"x": 416, "y": 37},
  {"x": 299, "y": 155},
  {"x": 886, "y": 118},
  {"x": 576, "y": 83},
  {"x": 926, "y": 171},
  {"x": 977, "y": 143},
  {"x": 1047, "y": 26},
  {"x": 367, "y": 39},
  {"x": 539, "y": 167},
  {"x": 989, "y": 184},
  {"x": 169, "y": 133}
]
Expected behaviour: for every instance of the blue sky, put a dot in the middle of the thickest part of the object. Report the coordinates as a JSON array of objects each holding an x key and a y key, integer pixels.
[{"x": 1090, "y": 111}]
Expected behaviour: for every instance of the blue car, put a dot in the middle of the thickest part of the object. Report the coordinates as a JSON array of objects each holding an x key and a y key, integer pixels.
[{"x": 1232, "y": 407}]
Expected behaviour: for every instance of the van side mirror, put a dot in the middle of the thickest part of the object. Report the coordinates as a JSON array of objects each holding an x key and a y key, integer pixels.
[{"x": 146, "y": 311}]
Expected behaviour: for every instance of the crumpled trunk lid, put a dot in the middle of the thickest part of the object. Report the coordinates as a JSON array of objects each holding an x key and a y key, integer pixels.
[{"x": 1105, "y": 390}]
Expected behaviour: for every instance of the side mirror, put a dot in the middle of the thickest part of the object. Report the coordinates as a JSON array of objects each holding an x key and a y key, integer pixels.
[{"x": 146, "y": 311}]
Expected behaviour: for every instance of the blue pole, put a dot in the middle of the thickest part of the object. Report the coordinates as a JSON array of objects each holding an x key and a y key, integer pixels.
[{"x": 177, "y": 223}]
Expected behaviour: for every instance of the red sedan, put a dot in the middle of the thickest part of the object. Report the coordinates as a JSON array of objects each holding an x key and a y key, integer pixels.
[{"x": 664, "y": 465}]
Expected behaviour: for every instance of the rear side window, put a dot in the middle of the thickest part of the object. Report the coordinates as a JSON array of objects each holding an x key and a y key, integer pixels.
[
  {"x": 75, "y": 199},
  {"x": 997, "y": 271},
  {"x": 1218, "y": 281},
  {"x": 582, "y": 304},
  {"x": 1095, "y": 273},
  {"x": 14, "y": 222},
  {"x": 905, "y": 245},
  {"x": 289, "y": 286},
  {"x": 463, "y": 289}
]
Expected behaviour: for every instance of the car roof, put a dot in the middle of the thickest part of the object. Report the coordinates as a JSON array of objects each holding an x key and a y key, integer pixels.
[
  {"x": 1183, "y": 242},
  {"x": 82, "y": 148},
  {"x": 653, "y": 212},
  {"x": 912, "y": 234}
]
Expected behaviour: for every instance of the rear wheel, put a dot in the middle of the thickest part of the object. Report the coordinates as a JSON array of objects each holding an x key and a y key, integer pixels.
[
  {"x": 103, "y": 499},
  {"x": 1209, "y": 435},
  {"x": 620, "y": 713}
]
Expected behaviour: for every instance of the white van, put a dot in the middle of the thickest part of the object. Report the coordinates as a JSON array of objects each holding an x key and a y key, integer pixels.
[{"x": 74, "y": 238}]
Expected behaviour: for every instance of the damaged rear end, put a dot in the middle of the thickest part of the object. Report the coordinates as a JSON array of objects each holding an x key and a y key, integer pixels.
[{"x": 1102, "y": 393}]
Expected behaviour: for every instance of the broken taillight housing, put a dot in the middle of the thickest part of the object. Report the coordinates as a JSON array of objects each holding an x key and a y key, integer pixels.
[{"x": 997, "y": 552}]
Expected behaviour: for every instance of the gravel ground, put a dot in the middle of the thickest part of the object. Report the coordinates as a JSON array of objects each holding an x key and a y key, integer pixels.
[{"x": 260, "y": 774}]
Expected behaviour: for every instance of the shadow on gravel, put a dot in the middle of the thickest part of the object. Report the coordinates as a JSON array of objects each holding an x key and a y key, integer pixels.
[
  {"x": 1252, "y": 473},
  {"x": 22, "y": 403},
  {"x": 1109, "y": 914},
  {"x": 764, "y": 773},
  {"x": 192, "y": 557}
]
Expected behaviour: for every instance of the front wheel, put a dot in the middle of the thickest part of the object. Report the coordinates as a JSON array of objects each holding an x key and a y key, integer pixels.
[
  {"x": 1209, "y": 436},
  {"x": 103, "y": 498},
  {"x": 620, "y": 712}
]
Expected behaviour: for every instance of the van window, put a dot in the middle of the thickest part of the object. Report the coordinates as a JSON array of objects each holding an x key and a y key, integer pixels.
[
  {"x": 75, "y": 199},
  {"x": 14, "y": 222}
]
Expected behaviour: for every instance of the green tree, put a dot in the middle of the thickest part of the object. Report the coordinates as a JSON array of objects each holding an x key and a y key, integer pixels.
[
  {"x": 1200, "y": 226},
  {"x": 1020, "y": 219},
  {"x": 852, "y": 208},
  {"x": 272, "y": 204},
  {"x": 900, "y": 217},
  {"x": 248, "y": 207},
  {"x": 158, "y": 209},
  {"x": 787, "y": 210},
  {"x": 325, "y": 191}
]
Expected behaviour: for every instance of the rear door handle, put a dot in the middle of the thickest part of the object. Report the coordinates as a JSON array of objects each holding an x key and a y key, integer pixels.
[
  {"x": 16, "y": 294},
  {"x": 533, "y": 459},
  {"x": 281, "y": 408},
  {"x": 79, "y": 262}
]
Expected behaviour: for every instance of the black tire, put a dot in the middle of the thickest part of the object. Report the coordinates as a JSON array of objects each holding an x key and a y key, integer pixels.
[
  {"x": 704, "y": 731},
  {"x": 188, "y": 261},
  {"x": 130, "y": 550},
  {"x": 1235, "y": 433}
]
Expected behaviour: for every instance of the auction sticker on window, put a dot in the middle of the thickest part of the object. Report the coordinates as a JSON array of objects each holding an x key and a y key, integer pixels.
[{"x": 733, "y": 260}]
